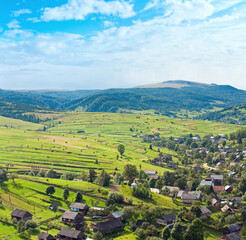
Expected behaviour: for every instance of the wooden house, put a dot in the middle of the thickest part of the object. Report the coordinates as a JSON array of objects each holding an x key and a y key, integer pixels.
[
  {"x": 108, "y": 227},
  {"x": 115, "y": 215},
  {"x": 45, "y": 236},
  {"x": 72, "y": 218},
  {"x": 79, "y": 207},
  {"x": 70, "y": 234},
  {"x": 152, "y": 174},
  {"x": 205, "y": 212},
  {"x": 166, "y": 219},
  {"x": 21, "y": 215}
]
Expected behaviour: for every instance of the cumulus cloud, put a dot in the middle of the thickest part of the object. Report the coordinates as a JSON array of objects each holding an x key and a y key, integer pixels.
[
  {"x": 14, "y": 24},
  {"x": 80, "y": 9},
  {"x": 21, "y": 12}
]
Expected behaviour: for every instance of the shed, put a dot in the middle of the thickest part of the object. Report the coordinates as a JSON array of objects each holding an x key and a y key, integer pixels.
[
  {"x": 21, "y": 215},
  {"x": 70, "y": 234},
  {"x": 108, "y": 227}
]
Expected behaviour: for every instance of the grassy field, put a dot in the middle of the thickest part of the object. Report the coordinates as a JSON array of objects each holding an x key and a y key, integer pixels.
[{"x": 74, "y": 142}]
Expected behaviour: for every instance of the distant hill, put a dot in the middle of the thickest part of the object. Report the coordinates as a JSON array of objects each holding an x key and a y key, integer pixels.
[
  {"x": 233, "y": 115},
  {"x": 164, "y": 100},
  {"x": 175, "y": 84}
]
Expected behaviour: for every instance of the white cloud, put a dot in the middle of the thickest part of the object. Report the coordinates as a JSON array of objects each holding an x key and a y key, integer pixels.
[
  {"x": 80, "y": 9},
  {"x": 21, "y": 12},
  {"x": 13, "y": 24},
  {"x": 108, "y": 24}
]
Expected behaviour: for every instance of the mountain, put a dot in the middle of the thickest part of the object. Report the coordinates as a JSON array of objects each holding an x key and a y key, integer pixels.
[
  {"x": 183, "y": 95},
  {"x": 233, "y": 115},
  {"x": 175, "y": 84}
]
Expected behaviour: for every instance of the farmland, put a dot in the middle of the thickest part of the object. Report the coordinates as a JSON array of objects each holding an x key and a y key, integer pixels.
[{"x": 76, "y": 142}]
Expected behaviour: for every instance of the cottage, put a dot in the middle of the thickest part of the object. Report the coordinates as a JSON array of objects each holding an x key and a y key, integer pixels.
[
  {"x": 53, "y": 207},
  {"x": 215, "y": 202},
  {"x": 72, "y": 217},
  {"x": 70, "y": 234},
  {"x": 21, "y": 215},
  {"x": 166, "y": 219},
  {"x": 228, "y": 189},
  {"x": 108, "y": 227},
  {"x": 45, "y": 236},
  {"x": 188, "y": 198},
  {"x": 115, "y": 215},
  {"x": 232, "y": 228},
  {"x": 219, "y": 188},
  {"x": 152, "y": 174},
  {"x": 217, "y": 180},
  {"x": 79, "y": 207},
  {"x": 3, "y": 173},
  {"x": 205, "y": 212},
  {"x": 226, "y": 208},
  {"x": 172, "y": 164}
]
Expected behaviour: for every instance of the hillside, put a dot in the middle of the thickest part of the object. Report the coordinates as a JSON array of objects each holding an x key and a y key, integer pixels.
[
  {"x": 233, "y": 115},
  {"x": 168, "y": 100}
]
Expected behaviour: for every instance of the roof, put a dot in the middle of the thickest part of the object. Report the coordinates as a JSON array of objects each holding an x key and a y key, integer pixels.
[
  {"x": 233, "y": 236},
  {"x": 155, "y": 190},
  {"x": 70, "y": 233},
  {"x": 218, "y": 188},
  {"x": 20, "y": 213},
  {"x": 205, "y": 210},
  {"x": 217, "y": 177},
  {"x": 237, "y": 199},
  {"x": 78, "y": 205},
  {"x": 214, "y": 201},
  {"x": 227, "y": 187},
  {"x": 171, "y": 188},
  {"x": 116, "y": 223},
  {"x": 205, "y": 182},
  {"x": 225, "y": 208},
  {"x": 168, "y": 217},
  {"x": 116, "y": 214},
  {"x": 197, "y": 193},
  {"x": 71, "y": 215},
  {"x": 233, "y": 227},
  {"x": 44, "y": 235},
  {"x": 151, "y": 172},
  {"x": 188, "y": 196},
  {"x": 180, "y": 193},
  {"x": 98, "y": 208}
]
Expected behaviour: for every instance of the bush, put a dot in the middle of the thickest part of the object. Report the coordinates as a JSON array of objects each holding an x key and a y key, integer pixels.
[{"x": 115, "y": 197}]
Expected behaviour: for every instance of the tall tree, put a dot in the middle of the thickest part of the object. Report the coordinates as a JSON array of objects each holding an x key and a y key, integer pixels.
[
  {"x": 121, "y": 149},
  {"x": 50, "y": 190},
  {"x": 130, "y": 172},
  {"x": 79, "y": 197},
  {"x": 66, "y": 194}
]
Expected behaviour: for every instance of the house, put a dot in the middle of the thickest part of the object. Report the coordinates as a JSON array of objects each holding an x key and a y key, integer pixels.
[
  {"x": 180, "y": 193},
  {"x": 232, "y": 236},
  {"x": 172, "y": 164},
  {"x": 228, "y": 189},
  {"x": 108, "y": 227},
  {"x": 171, "y": 189},
  {"x": 45, "y": 236},
  {"x": 206, "y": 181},
  {"x": 152, "y": 174},
  {"x": 115, "y": 215},
  {"x": 205, "y": 212},
  {"x": 188, "y": 198},
  {"x": 155, "y": 190},
  {"x": 70, "y": 234},
  {"x": 53, "y": 207},
  {"x": 215, "y": 202},
  {"x": 72, "y": 217},
  {"x": 231, "y": 228},
  {"x": 166, "y": 219},
  {"x": 226, "y": 208},
  {"x": 133, "y": 185},
  {"x": 3, "y": 173},
  {"x": 21, "y": 215},
  {"x": 219, "y": 188},
  {"x": 234, "y": 199},
  {"x": 217, "y": 180},
  {"x": 139, "y": 224},
  {"x": 79, "y": 207}
]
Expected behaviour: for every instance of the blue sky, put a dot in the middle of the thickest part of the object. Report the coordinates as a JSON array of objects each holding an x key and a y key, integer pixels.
[{"x": 86, "y": 44}]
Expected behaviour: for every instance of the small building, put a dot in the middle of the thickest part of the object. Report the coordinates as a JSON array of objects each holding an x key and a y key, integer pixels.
[
  {"x": 72, "y": 218},
  {"x": 226, "y": 208},
  {"x": 45, "y": 236},
  {"x": 215, "y": 202},
  {"x": 115, "y": 215},
  {"x": 53, "y": 207},
  {"x": 134, "y": 185},
  {"x": 217, "y": 180},
  {"x": 21, "y": 215},
  {"x": 205, "y": 212},
  {"x": 79, "y": 207},
  {"x": 232, "y": 228},
  {"x": 234, "y": 200},
  {"x": 232, "y": 236},
  {"x": 188, "y": 198},
  {"x": 219, "y": 188},
  {"x": 206, "y": 181},
  {"x": 155, "y": 190},
  {"x": 166, "y": 219},
  {"x": 171, "y": 189},
  {"x": 152, "y": 174},
  {"x": 108, "y": 227},
  {"x": 228, "y": 189},
  {"x": 172, "y": 164},
  {"x": 70, "y": 234}
]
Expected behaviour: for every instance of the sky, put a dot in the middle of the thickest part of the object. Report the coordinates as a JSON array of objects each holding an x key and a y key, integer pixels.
[{"x": 99, "y": 44}]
